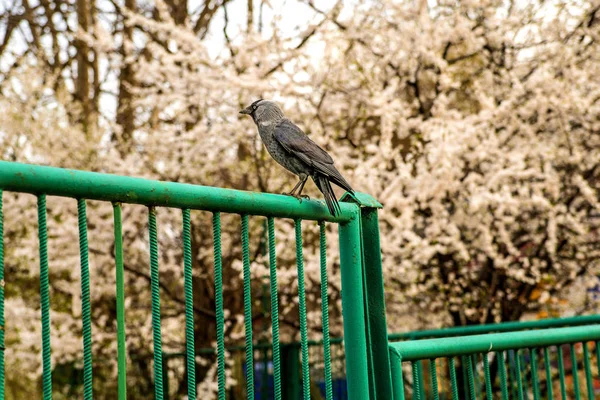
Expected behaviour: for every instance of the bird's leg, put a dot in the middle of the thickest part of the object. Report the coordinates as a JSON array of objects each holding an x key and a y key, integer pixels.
[
  {"x": 293, "y": 191},
  {"x": 297, "y": 190},
  {"x": 302, "y": 183}
]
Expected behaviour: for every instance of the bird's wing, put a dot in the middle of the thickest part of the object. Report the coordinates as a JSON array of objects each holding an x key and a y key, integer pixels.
[{"x": 296, "y": 142}]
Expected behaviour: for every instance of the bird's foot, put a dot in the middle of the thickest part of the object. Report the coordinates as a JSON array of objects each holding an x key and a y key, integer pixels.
[
  {"x": 297, "y": 196},
  {"x": 301, "y": 197}
]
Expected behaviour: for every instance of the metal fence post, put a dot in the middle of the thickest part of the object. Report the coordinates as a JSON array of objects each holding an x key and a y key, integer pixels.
[
  {"x": 380, "y": 381},
  {"x": 353, "y": 309}
]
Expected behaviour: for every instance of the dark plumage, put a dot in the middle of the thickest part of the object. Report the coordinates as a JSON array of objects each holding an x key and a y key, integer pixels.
[{"x": 296, "y": 152}]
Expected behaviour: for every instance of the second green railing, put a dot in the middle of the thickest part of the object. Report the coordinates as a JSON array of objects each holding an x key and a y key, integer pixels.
[{"x": 555, "y": 363}]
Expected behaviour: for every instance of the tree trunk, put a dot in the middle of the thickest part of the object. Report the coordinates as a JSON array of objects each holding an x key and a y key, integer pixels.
[
  {"x": 250, "y": 20},
  {"x": 82, "y": 90},
  {"x": 125, "y": 110}
]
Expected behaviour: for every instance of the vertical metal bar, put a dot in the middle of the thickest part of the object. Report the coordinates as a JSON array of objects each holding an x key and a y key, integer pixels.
[
  {"x": 453, "y": 382},
  {"x": 487, "y": 377},
  {"x": 548, "y": 367},
  {"x": 470, "y": 378},
  {"x": 189, "y": 305},
  {"x": 353, "y": 310},
  {"x": 433, "y": 379},
  {"x": 248, "y": 309},
  {"x": 502, "y": 374},
  {"x": 274, "y": 311},
  {"x": 534, "y": 374},
  {"x": 523, "y": 371},
  {"x": 264, "y": 356},
  {"x": 377, "y": 339},
  {"x": 561, "y": 373},
  {"x": 417, "y": 385},
  {"x": 463, "y": 368},
  {"x": 574, "y": 372},
  {"x": 218, "y": 265},
  {"x": 155, "y": 289},
  {"x": 86, "y": 314},
  {"x": 2, "y": 322},
  {"x": 120, "y": 281},
  {"x": 397, "y": 379},
  {"x": 588, "y": 371},
  {"x": 518, "y": 373},
  {"x": 325, "y": 312},
  {"x": 45, "y": 298},
  {"x": 302, "y": 311}
]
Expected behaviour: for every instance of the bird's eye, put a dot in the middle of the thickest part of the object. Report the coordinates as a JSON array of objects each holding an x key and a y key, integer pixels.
[{"x": 254, "y": 107}]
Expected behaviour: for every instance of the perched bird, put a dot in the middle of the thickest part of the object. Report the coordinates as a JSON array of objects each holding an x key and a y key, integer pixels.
[{"x": 296, "y": 152}]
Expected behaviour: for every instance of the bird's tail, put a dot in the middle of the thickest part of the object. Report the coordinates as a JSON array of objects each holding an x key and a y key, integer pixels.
[{"x": 325, "y": 187}]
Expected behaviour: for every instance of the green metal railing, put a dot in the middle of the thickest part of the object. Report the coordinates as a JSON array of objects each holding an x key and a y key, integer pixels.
[
  {"x": 497, "y": 327},
  {"x": 516, "y": 365},
  {"x": 365, "y": 336},
  {"x": 533, "y": 359},
  {"x": 425, "y": 385}
]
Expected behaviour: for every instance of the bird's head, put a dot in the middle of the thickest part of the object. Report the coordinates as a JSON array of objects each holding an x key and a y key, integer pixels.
[{"x": 263, "y": 112}]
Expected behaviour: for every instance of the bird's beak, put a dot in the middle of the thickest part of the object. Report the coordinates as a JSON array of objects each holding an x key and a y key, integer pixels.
[{"x": 246, "y": 111}]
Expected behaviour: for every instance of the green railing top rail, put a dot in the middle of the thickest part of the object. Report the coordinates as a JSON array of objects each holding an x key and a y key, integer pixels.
[
  {"x": 497, "y": 327},
  {"x": 36, "y": 179},
  {"x": 455, "y": 346}
]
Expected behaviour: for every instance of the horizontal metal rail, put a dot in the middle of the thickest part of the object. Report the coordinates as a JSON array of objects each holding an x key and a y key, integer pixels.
[
  {"x": 36, "y": 179},
  {"x": 498, "y": 327},
  {"x": 455, "y": 346}
]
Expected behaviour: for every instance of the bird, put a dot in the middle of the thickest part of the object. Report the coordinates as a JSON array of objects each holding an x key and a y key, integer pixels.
[{"x": 296, "y": 152}]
